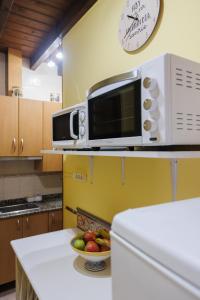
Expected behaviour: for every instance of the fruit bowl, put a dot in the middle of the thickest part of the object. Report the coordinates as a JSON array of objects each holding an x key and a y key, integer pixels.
[
  {"x": 95, "y": 259},
  {"x": 91, "y": 256}
]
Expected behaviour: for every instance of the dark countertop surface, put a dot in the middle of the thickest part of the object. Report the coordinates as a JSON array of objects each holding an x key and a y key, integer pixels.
[{"x": 48, "y": 203}]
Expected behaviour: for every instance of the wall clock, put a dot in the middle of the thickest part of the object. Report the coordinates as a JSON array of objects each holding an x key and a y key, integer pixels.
[{"x": 138, "y": 20}]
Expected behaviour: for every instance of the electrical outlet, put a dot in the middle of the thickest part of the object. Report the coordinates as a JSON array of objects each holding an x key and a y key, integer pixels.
[{"x": 79, "y": 176}]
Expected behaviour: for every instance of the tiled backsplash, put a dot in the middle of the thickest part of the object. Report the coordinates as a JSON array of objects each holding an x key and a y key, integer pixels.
[{"x": 19, "y": 180}]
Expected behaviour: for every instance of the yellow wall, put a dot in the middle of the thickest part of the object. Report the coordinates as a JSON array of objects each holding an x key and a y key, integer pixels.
[{"x": 92, "y": 53}]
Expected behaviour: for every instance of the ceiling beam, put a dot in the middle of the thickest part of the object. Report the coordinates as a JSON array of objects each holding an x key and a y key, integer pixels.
[
  {"x": 71, "y": 17},
  {"x": 5, "y": 9}
]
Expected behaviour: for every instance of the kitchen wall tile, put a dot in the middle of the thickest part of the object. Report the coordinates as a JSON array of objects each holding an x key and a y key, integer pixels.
[
  {"x": 11, "y": 187},
  {"x": 21, "y": 186},
  {"x": 27, "y": 185},
  {"x": 51, "y": 183},
  {"x": 39, "y": 187}
]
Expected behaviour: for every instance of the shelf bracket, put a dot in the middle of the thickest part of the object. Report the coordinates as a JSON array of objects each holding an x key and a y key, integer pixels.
[
  {"x": 174, "y": 173},
  {"x": 123, "y": 170},
  {"x": 91, "y": 168}
]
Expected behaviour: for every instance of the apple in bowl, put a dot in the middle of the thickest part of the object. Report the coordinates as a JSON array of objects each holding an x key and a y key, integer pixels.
[{"x": 94, "y": 247}]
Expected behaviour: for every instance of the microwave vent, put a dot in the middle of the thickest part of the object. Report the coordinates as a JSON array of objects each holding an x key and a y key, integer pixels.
[
  {"x": 187, "y": 122},
  {"x": 188, "y": 79}
]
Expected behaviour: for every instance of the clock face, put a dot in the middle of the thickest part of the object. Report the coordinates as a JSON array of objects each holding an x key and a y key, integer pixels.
[{"x": 138, "y": 20}]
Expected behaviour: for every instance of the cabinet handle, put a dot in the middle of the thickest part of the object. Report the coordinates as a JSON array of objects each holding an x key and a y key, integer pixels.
[
  {"x": 22, "y": 145},
  {"x": 27, "y": 222},
  {"x": 18, "y": 224},
  {"x": 53, "y": 218},
  {"x": 14, "y": 146}
]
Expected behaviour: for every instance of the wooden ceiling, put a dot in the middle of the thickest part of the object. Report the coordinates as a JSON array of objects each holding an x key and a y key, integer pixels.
[{"x": 32, "y": 25}]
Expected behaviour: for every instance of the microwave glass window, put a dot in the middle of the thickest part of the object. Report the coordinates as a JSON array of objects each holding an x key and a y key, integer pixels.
[
  {"x": 61, "y": 128},
  {"x": 116, "y": 114}
]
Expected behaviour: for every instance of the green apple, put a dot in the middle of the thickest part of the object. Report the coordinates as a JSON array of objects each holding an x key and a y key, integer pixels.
[{"x": 79, "y": 244}]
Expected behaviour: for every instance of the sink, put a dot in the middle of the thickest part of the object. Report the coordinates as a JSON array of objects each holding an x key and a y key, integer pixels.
[{"x": 18, "y": 207}]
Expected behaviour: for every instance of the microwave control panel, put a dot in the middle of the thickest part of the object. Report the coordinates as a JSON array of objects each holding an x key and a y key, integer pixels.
[
  {"x": 82, "y": 123},
  {"x": 154, "y": 92}
]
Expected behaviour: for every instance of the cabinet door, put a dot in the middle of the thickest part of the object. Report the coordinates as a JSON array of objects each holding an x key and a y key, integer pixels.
[
  {"x": 50, "y": 163},
  {"x": 10, "y": 229},
  {"x": 56, "y": 220},
  {"x": 30, "y": 127},
  {"x": 35, "y": 224},
  {"x": 8, "y": 126}
]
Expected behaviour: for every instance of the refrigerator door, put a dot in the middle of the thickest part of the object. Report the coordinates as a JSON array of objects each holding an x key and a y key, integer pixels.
[
  {"x": 168, "y": 233},
  {"x": 138, "y": 276}
]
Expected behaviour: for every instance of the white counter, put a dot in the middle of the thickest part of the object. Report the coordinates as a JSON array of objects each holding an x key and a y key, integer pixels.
[{"x": 56, "y": 272}]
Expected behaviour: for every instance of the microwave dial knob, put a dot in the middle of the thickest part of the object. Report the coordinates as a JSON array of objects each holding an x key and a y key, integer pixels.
[
  {"x": 150, "y": 104},
  {"x": 82, "y": 130},
  {"x": 149, "y": 125},
  {"x": 149, "y": 83},
  {"x": 82, "y": 116}
]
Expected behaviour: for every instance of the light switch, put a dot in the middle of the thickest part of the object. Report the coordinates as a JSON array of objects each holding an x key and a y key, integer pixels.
[{"x": 80, "y": 176}]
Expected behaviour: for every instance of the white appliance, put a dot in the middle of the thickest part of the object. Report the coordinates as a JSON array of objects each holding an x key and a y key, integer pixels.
[
  {"x": 69, "y": 127},
  {"x": 154, "y": 104},
  {"x": 156, "y": 252}
]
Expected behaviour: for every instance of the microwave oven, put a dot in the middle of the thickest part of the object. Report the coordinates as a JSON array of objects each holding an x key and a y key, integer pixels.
[
  {"x": 69, "y": 127},
  {"x": 157, "y": 104}
]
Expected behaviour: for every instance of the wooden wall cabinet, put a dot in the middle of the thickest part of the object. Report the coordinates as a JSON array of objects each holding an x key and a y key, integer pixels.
[
  {"x": 26, "y": 128},
  {"x": 9, "y": 126},
  {"x": 19, "y": 227},
  {"x": 49, "y": 163},
  {"x": 30, "y": 127},
  {"x": 21, "y": 127}
]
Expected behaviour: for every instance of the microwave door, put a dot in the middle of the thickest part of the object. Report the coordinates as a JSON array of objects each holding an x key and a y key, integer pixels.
[
  {"x": 116, "y": 114},
  {"x": 61, "y": 127}
]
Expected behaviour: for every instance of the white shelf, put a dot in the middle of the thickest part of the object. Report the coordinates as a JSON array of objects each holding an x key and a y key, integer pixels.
[
  {"x": 173, "y": 156},
  {"x": 137, "y": 154}
]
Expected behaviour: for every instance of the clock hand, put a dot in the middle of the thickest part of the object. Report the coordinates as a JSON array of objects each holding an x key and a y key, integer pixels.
[
  {"x": 134, "y": 18},
  {"x": 129, "y": 29}
]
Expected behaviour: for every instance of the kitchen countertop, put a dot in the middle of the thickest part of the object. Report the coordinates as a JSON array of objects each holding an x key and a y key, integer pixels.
[
  {"x": 56, "y": 272},
  {"x": 47, "y": 204}
]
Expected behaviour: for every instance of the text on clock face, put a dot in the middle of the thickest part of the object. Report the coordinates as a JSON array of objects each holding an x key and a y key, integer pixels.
[
  {"x": 137, "y": 6},
  {"x": 136, "y": 24}
]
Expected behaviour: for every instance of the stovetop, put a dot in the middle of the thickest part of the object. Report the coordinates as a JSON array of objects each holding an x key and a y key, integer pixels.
[
  {"x": 12, "y": 202},
  {"x": 18, "y": 207}
]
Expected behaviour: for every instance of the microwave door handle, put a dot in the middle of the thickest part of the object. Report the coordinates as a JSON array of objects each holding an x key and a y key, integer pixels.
[
  {"x": 71, "y": 119},
  {"x": 129, "y": 76}
]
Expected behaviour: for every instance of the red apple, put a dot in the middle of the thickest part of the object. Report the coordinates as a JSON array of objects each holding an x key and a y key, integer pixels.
[
  {"x": 91, "y": 246},
  {"x": 89, "y": 236}
]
